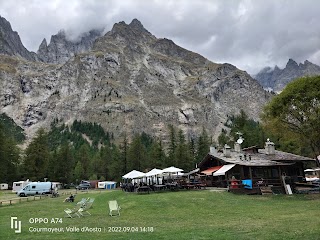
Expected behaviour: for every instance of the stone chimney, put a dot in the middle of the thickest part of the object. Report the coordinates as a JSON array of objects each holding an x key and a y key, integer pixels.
[
  {"x": 227, "y": 151},
  {"x": 213, "y": 151},
  {"x": 269, "y": 147},
  {"x": 237, "y": 147}
]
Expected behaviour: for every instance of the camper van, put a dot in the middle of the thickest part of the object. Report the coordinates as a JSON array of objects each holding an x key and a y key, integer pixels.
[
  {"x": 17, "y": 186},
  {"x": 35, "y": 188},
  {"x": 4, "y": 186}
]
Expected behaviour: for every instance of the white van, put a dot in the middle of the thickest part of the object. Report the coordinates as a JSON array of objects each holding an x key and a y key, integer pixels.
[{"x": 35, "y": 188}]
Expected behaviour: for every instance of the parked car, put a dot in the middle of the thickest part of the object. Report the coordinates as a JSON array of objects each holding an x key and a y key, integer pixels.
[{"x": 83, "y": 186}]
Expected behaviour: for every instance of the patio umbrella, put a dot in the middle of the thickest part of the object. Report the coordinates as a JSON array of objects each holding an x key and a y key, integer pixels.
[
  {"x": 172, "y": 169},
  {"x": 134, "y": 174},
  {"x": 154, "y": 172}
]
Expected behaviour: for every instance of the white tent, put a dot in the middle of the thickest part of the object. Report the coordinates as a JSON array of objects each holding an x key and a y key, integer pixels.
[
  {"x": 154, "y": 175},
  {"x": 154, "y": 172},
  {"x": 134, "y": 174},
  {"x": 172, "y": 170}
]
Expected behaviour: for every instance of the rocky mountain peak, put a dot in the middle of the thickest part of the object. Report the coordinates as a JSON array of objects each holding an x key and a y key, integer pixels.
[
  {"x": 132, "y": 37},
  {"x": 131, "y": 32},
  {"x": 276, "y": 68},
  {"x": 279, "y": 78},
  {"x": 43, "y": 51},
  {"x": 43, "y": 44},
  {"x": 10, "y": 42},
  {"x": 4, "y": 24},
  {"x": 306, "y": 62},
  {"x": 135, "y": 23},
  {"x": 61, "y": 49},
  {"x": 292, "y": 64}
]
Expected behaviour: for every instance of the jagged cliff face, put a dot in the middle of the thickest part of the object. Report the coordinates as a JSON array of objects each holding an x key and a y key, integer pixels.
[
  {"x": 276, "y": 79},
  {"x": 60, "y": 49},
  {"x": 10, "y": 42},
  {"x": 130, "y": 81}
]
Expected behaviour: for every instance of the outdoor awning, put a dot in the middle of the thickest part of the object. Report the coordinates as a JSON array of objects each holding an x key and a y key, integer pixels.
[
  {"x": 209, "y": 171},
  {"x": 223, "y": 170}
]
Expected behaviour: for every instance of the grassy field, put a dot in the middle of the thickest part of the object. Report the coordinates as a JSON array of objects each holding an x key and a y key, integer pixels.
[{"x": 172, "y": 215}]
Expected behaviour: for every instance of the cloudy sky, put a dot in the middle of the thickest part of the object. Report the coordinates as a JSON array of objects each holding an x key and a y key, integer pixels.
[{"x": 250, "y": 34}]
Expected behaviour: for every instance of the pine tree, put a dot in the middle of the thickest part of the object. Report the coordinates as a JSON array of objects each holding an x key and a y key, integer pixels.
[
  {"x": 124, "y": 153},
  {"x": 78, "y": 172},
  {"x": 64, "y": 164},
  {"x": 137, "y": 155},
  {"x": 37, "y": 157},
  {"x": 203, "y": 145},
  {"x": 172, "y": 145},
  {"x": 115, "y": 165},
  {"x": 182, "y": 156},
  {"x": 157, "y": 155},
  {"x": 84, "y": 158},
  {"x": 192, "y": 151},
  {"x": 9, "y": 157}
]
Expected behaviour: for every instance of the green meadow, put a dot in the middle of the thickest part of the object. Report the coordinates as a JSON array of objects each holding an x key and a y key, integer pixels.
[{"x": 201, "y": 214}]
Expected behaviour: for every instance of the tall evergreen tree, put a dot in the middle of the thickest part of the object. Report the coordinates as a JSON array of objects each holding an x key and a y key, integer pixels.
[
  {"x": 157, "y": 155},
  {"x": 65, "y": 164},
  {"x": 203, "y": 145},
  {"x": 9, "y": 157},
  {"x": 192, "y": 151},
  {"x": 182, "y": 154},
  {"x": 124, "y": 147},
  {"x": 37, "y": 157},
  {"x": 78, "y": 172},
  {"x": 115, "y": 164},
  {"x": 53, "y": 166},
  {"x": 172, "y": 145},
  {"x": 137, "y": 155},
  {"x": 84, "y": 158}
]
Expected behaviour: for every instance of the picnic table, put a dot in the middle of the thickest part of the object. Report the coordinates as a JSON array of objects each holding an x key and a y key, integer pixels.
[
  {"x": 143, "y": 189},
  {"x": 172, "y": 186},
  {"x": 158, "y": 187}
]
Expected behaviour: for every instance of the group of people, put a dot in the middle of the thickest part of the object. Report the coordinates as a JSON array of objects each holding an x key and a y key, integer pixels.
[{"x": 129, "y": 187}]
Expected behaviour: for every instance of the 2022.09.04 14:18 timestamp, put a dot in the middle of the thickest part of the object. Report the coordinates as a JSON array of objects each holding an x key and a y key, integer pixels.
[{"x": 128, "y": 229}]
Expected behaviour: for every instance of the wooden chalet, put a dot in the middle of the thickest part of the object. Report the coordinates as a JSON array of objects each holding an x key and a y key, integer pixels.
[{"x": 250, "y": 169}]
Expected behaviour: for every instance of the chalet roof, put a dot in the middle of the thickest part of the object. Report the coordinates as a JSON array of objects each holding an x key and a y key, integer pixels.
[{"x": 259, "y": 159}]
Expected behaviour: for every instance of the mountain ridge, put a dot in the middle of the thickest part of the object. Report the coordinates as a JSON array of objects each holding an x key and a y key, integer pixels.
[
  {"x": 276, "y": 79},
  {"x": 10, "y": 42},
  {"x": 129, "y": 82}
]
